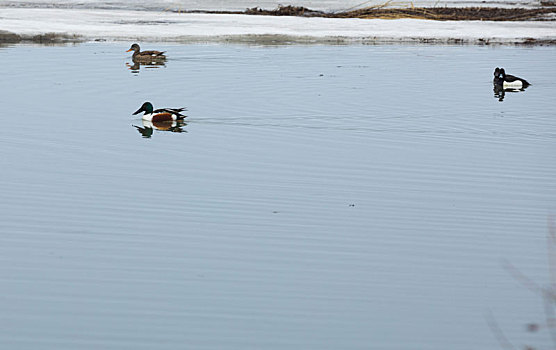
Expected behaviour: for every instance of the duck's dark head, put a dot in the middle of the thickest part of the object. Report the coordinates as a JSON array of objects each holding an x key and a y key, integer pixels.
[
  {"x": 135, "y": 48},
  {"x": 147, "y": 107},
  {"x": 502, "y": 73},
  {"x": 496, "y": 72}
]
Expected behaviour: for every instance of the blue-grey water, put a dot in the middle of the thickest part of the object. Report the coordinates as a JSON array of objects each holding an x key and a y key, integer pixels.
[{"x": 319, "y": 197}]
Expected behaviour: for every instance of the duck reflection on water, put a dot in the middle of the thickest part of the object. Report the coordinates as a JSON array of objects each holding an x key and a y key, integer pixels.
[
  {"x": 136, "y": 66},
  {"x": 500, "y": 92},
  {"x": 148, "y": 127}
]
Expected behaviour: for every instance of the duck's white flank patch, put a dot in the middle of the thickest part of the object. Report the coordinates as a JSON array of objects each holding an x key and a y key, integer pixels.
[{"x": 513, "y": 85}]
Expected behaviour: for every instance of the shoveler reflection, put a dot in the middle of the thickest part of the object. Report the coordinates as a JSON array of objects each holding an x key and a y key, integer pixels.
[{"x": 148, "y": 127}]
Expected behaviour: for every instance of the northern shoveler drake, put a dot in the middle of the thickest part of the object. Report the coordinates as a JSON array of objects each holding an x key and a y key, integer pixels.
[
  {"x": 139, "y": 55},
  {"x": 160, "y": 115},
  {"x": 508, "y": 81}
]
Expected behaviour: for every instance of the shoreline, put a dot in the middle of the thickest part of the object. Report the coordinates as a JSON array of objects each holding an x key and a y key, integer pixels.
[
  {"x": 268, "y": 40},
  {"x": 78, "y": 25}
]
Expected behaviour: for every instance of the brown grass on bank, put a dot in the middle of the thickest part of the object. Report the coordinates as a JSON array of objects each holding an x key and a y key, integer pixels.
[
  {"x": 432, "y": 13},
  {"x": 452, "y": 13}
]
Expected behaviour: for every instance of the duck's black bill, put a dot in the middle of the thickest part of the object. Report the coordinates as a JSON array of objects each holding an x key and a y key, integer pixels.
[{"x": 138, "y": 111}]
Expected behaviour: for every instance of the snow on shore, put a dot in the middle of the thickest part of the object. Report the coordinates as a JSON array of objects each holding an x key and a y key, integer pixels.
[
  {"x": 128, "y": 25},
  {"x": 239, "y": 5}
]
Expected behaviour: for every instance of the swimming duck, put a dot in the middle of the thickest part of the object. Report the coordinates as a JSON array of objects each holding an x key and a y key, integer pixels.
[
  {"x": 508, "y": 81},
  {"x": 160, "y": 115},
  {"x": 139, "y": 55}
]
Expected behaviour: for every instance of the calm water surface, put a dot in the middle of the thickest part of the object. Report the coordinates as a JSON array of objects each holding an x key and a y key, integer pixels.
[{"x": 319, "y": 197}]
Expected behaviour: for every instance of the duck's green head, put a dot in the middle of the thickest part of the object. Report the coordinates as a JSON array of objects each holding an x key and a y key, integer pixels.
[
  {"x": 147, "y": 107},
  {"x": 135, "y": 48}
]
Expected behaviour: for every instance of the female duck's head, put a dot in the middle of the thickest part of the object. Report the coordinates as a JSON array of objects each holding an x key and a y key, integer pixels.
[
  {"x": 135, "y": 48},
  {"x": 147, "y": 107}
]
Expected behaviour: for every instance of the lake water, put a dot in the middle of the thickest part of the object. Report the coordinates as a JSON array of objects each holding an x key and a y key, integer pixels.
[{"x": 319, "y": 197}]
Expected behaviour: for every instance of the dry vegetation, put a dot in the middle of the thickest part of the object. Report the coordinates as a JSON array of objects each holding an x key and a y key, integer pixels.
[
  {"x": 453, "y": 13},
  {"x": 383, "y": 11}
]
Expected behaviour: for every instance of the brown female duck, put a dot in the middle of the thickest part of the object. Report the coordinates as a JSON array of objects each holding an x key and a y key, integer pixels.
[{"x": 145, "y": 56}]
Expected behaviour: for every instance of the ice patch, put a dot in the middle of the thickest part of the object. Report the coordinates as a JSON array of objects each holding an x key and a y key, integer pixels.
[{"x": 123, "y": 25}]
